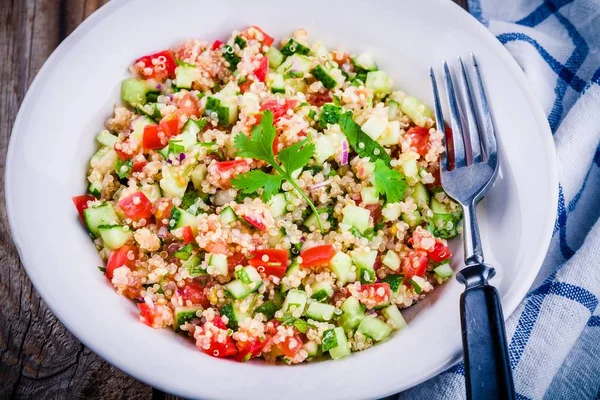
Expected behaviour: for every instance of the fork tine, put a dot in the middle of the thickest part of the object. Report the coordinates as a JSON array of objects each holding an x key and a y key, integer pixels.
[
  {"x": 470, "y": 113},
  {"x": 439, "y": 120},
  {"x": 458, "y": 137},
  {"x": 487, "y": 133}
]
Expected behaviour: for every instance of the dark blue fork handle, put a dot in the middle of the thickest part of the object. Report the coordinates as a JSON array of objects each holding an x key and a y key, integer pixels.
[{"x": 487, "y": 366}]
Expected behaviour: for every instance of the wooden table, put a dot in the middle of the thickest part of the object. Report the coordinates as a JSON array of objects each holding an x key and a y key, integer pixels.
[{"x": 39, "y": 358}]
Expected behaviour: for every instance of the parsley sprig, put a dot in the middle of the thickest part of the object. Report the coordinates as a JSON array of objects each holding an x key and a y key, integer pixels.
[
  {"x": 260, "y": 146},
  {"x": 389, "y": 181}
]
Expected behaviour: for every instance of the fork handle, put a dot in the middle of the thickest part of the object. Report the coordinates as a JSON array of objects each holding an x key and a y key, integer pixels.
[{"x": 487, "y": 366}]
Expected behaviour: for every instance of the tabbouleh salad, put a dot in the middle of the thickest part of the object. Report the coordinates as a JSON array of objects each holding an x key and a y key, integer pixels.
[{"x": 271, "y": 201}]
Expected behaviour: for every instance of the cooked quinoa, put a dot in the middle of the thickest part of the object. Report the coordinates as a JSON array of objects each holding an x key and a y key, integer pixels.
[{"x": 271, "y": 200}]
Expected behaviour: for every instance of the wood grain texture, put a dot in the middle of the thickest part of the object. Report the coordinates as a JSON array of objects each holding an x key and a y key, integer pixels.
[{"x": 39, "y": 358}]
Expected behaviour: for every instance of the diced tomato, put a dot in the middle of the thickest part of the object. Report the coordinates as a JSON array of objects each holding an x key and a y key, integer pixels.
[
  {"x": 419, "y": 139},
  {"x": 122, "y": 155},
  {"x": 188, "y": 105},
  {"x": 81, "y": 203},
  {"x": 136, "y": 206},
  {"x": 223, "y": 166},
  {"x": 318, "y": 99},
  {"x": 194, "y": 293},
  {"x": 278, "y": 110},
  {"x": 119, "y": 258},
  {"x": 222, "y": 350},
  {"x": 218, "y": 322},
  {"x": 375, "y": 293},
  {"x": 266, "y": 39},
  {"x": 151, "y": 139},
  {"x": 147, "y": 313},
  {"x": 415, "y": 263},
  {"x": 216, "y": 44},
  {"x": 234, "y": 260},
  {"x": 375, "y": 210},
  {"x": 317, "y": 256},
  {"x": 276, "y": 144},
  {"x": 170, "y": 125},
  {"x": 255, "y": 223},
  {"x": 291, "y": 345},
  {"x": 188, "y": 234},
  {"x": 158, "y": 66},
  {"x": 276, "y": 263},
  {"x": 250, "y": 348},
  {"x": 439, "y": 253},
  {"x": 162, "y": 211},
  {"x": 245, "y": 86},
  {"x": 263, "y": 68},
  {"x": 138, "y": 166}
]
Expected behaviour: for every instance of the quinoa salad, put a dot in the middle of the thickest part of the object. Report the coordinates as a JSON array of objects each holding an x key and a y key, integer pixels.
[{"x": 273, "y": 200}]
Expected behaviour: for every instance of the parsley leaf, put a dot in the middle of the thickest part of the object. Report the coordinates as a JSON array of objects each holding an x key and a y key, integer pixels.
[
  {"x": 360, "y": 142},
  {"x": 388, "y": 181},
  {"x": 253, "y": 180},
  {"x": 260, "y": 146},
  {"x": 329, "y": 340}
]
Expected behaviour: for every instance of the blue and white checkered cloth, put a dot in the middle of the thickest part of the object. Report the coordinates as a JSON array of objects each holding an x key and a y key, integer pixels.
[{"x": 554, "y": 334}]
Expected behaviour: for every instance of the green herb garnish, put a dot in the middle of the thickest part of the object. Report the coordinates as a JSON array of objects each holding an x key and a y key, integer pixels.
[
  {"x": 260, "y": 146},
  {"x": 360, "y": 142},
  {"x": 388, "y": 181},
  {"x": 329, "y": 340}
]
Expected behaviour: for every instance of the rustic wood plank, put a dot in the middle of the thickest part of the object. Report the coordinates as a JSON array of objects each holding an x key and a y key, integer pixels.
[{"x": 39, "y": 358}]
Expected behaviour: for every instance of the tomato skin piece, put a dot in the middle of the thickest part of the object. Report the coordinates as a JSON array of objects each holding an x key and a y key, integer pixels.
[
  {"x": 159, "y": 71},
  {"x": 257, "y": 224},
  {"x": 222, "y": 350},
  {"x": 122, "y": 155},
  {"x": 223, "y": 166},
  {"x": 250, "y": 349},
  {"x": 263, "y": 68},
  {"x": 317, "y": 256},
  {"x": 415, "y": 263},
  {"x": 136, "y": 206},
  {"x": 439, "y": 253},
  {"x": 278, "y": 110},
  {"x": 138, "y": 166},
  {"x": 275, "y": 266},
  {"x": 151, "y": 139},
  {"x": 188, "y": 234},
  {"x": 267, "y": 39},
  {"x": 419, "y": 139},
  {"x": 370, "y": 291},
  {"x": 80, "y": 203},
  {"x": 318, "y": 99},
  {"x": 170, "y": 125},
  {"x": 118, "y": 258},
  {"x": 216, "y": 44},
  {"x": 146, "y": 313}
]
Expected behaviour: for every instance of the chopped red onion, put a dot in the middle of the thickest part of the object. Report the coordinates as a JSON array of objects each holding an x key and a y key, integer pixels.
[
  {"x": 162, "y": 232},
  {"x": 159, "y": 86},
  {"x": 320, "y": 184},
  {"x": 344, "y": 152},
  {"x": 181, "y": 156}
]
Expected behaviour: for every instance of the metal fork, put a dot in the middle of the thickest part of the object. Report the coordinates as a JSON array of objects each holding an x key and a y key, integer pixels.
[{"x": 468, "y": 169}]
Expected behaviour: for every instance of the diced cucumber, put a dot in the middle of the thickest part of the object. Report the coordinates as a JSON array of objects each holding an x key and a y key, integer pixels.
[
  {"x": 278, "y": 205},
  {"x": 412, "y": 219},
  {"x": 268, "y": 309},
  {"x": 95, "y": 188},
  {"x": 324, "y": 149},
  {"x": 374, "y": 328},
  {"x": 238, "y": 289},
  {"x": 230, "y": 56},
  {"x": 295, "y": 302},
  {"x": 275, "y": 57},
  {"x": 188, "y": 136},
  {"x": 410, "y": 168},
  {"x": 198, "y": 175},
  {"x": 420, "y": 194},
  {"x": 295, "y": 66},
  {"x": 444, "y": 270},
  {"x": 173, "y": 186},
  {"x": 391, "y": 136},
  {"x": 391, "y": 260},
  {"x": 294, "y": 47},
  {"x": 105, "y": 160},
  {"x": 224, "y": 105},
  {"x": 437, "y": 207},
  {"x": 150, "y": 110},
  {"x": 324, "y": 75},
  {"x": 321, "y": 290},
  {"x": 152, "y": 192},
  {"x": 227, "y": 216},
  {"x": 379, "y": 82},
  {"x": 275, "y": 239},
  {"x": 320, "y": 311},
  {"x": 219, "y": 264},
  {"x": 138, "y": 126},
  {"x": 115, "y": 236},
  {"x": 103, "y": 214},
  {"x": 343, "y": 348},
  {"x": 369, "y": 195},
  {"x": 357, "y": 217},
  {"x": 181, "y": 218},
  {"x": 290, "y": 270},
  {"x": 417, "y": 111},
  {"x": 134, "y": 91},
  {"x": 275, "y": 82},
  {"x": 365, "y": 262},
  {"x": 365, "y": 61},
  {"x": 391, "y": 211},
  {"x": 319, "y": 50},
  {"x": 341, "y": 266},
  {"x": 353, "y": 313},
  {"x": 193, "y": 265},
  {"x": 185, "y": 314},
  {"x": 394, "y": 316},
  {"x": 234, "y": 315},
  {"x": 185, "y": 75},
  {"x": 312, "y": 348},
  {"x": 393, "y": 109},
  {"x": 105, "y": 138}
]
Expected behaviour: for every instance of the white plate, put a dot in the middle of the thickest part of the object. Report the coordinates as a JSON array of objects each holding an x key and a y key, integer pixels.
[{"x": 73, "y": 94}]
